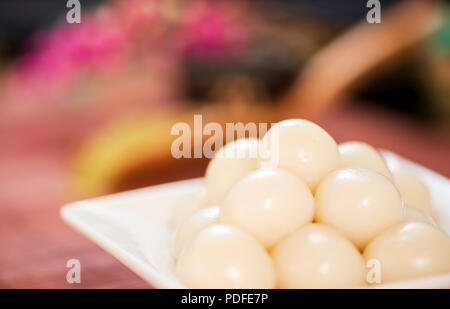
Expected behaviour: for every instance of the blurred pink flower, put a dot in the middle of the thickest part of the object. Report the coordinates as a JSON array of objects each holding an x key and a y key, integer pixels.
[
  {"x": 71, "y": 47},
  {"x": 136, "y": 44},
  {"x": 138, "y": 15},
  {"x": 212, "y": 29},
  {"x": 112, "y": 35}
]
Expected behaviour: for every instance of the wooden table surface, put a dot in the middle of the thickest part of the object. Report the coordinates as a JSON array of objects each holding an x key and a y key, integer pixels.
[{"x": 35, "y": 244}]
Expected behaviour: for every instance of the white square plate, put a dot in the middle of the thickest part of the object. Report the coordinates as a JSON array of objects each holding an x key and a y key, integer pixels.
[{"x": 135, "y": 226}]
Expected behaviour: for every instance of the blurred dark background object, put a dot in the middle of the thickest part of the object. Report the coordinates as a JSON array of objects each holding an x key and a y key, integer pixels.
[
  {"x": 271, "y": 69},
  {"x": 19, "y": 19}
]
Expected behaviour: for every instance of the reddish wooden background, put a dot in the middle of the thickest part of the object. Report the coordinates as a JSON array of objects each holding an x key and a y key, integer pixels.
[{"x": 35, "y": 244}]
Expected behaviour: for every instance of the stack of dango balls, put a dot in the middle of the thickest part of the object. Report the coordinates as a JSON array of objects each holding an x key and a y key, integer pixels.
[{"x": 308, "y": 215}]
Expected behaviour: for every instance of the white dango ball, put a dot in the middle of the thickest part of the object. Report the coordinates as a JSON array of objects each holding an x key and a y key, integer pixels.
[
  {"x": 192, "y": 225},
  {"x": 198, "y": 199},
  {"x": 414, "y": 192},
  {"x": 232, "y": 162},
  {"x": 359, "y": 203},
  {"x": 224, "y": 257},
  {"x": 410, "y": 250},
  {"x": 301, "y": 147},
  {"x": 268, "y": 204},
  {"x": 316, "y": 256},
  {"x": 362, "y": 155}
]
